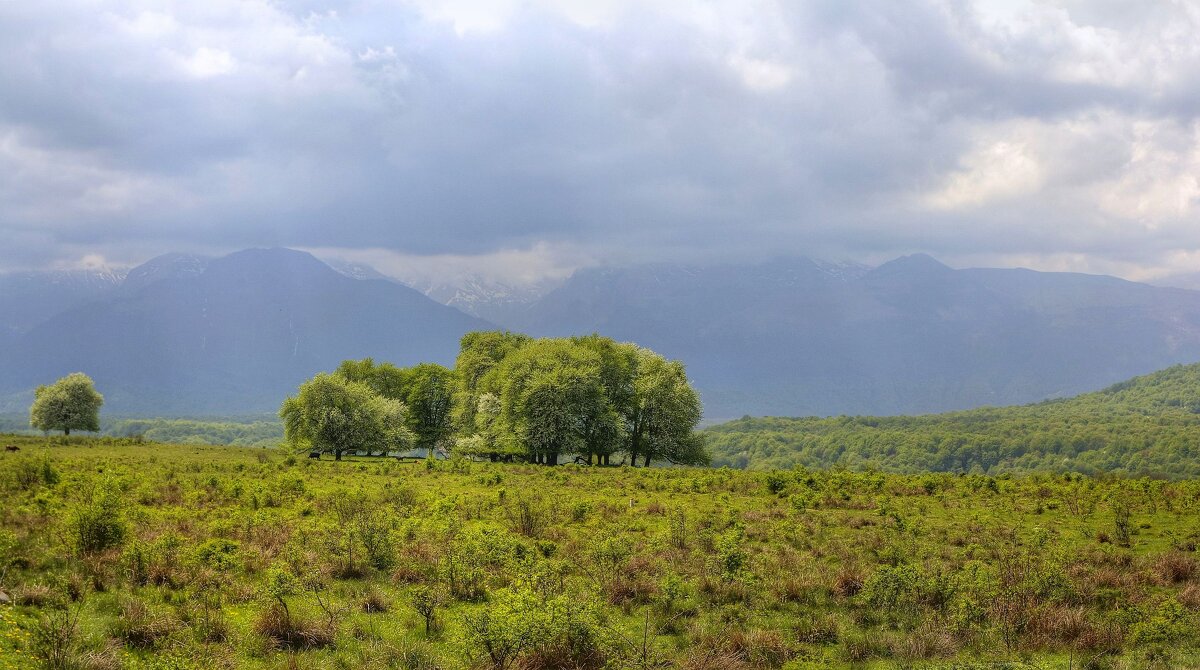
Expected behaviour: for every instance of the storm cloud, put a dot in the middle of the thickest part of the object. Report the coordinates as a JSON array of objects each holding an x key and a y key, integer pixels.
[{"x": 549, "y": 135}]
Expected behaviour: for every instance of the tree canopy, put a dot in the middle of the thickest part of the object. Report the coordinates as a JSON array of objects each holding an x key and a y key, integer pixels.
[
  {"x": 333, "y": 415},
  {"x": 71, "y": 403}
]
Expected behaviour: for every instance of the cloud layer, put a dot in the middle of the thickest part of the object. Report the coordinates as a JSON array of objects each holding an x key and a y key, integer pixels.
[{"x": 1057, "y": 135}]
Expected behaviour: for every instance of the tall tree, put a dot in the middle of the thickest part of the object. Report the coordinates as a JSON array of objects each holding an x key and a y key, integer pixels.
[
  {"x": 549, "y": 391},
  {"x": 604, "y": 431},
  {"x": 71, "y": 403},
  {"x": 429, "y": 396},
  {"x": 333, "y": 415},
  {"x": 661, "y": 417},
  {"x": 427, "y": 390},
  {"x": 479, "y": 352}
]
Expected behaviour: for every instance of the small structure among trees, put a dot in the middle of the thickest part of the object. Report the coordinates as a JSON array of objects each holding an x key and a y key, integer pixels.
[
  {"x": 71, "y": 403},
  {"x": 509, "y": 397}
]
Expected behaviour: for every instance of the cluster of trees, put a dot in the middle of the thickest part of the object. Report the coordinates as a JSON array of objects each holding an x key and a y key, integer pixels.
[
  {"x": 1149, "y": 425},
  {"x": 509, "y": 397}
]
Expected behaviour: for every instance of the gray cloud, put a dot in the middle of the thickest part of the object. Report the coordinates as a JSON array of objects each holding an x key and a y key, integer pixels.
[{"x": 1056, "y": 135}]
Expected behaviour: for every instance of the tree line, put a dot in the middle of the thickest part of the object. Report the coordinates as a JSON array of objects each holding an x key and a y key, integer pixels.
[{"x": 509, "y": 397}]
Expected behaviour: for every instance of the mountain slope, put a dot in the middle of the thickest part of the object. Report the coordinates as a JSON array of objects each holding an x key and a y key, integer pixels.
[
  {"x": 801, "y": 337},
  {"x": 1147, "y": 425},
  {"x": 233, "y": 337},
  {"x": 28, "y": 298}
]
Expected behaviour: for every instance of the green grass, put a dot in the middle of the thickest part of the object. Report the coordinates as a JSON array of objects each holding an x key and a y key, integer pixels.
[{"x": 582, "y": 567}]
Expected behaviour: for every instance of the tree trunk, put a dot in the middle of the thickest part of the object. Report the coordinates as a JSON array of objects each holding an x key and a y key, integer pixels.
[
  {"x": 337, "y": 455},
  {"x": 647, "y": 460},
  {"x": 67, "y": 431},
  {"x": 553, "y": 460},
  {"x": 589, "y": 458},
  {"x": 606, "y": 456}
]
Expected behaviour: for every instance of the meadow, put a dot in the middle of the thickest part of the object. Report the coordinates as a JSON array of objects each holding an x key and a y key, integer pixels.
[{"x": 120, "y": 554}]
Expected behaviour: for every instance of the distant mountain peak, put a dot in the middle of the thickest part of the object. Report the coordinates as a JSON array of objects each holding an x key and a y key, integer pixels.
[
  {"x": 284, "y": 263},
  {"x": 167, "y": 266},
  {"x": 912, "y": 264}
]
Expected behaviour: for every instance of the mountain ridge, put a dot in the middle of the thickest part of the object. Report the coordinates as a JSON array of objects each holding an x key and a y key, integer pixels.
[{"x": 236, "y": 337}]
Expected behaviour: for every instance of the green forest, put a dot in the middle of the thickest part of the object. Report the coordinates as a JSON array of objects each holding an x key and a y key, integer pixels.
[{"x": 1147, "y": 425}]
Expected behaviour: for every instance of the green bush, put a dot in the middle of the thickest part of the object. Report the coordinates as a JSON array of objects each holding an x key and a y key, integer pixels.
[{"x": 98, "y": 524}]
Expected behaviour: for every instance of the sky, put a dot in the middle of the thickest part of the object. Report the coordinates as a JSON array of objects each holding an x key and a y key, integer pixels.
[{"x": 522, "y": 140}]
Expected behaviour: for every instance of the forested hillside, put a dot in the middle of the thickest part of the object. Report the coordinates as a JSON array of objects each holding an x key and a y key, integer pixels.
[{"x": 1147, "y": 425}]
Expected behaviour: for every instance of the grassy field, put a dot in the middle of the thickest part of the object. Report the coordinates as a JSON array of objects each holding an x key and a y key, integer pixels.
[{"x": 166, "y": 556}]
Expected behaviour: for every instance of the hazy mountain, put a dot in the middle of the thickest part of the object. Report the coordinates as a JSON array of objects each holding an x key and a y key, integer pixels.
[
  {"x": 167, "y": 266},
  {"x": 234, "y": 335},
  {"x": 801, "y": 337},
  {"x": 28, "y": 298},
  {"x": 191, "y": 335},
  {"x": 492, "y": 300},
  {"x": 355, "y": 270},
  {"x": 1188, "y": 280}
]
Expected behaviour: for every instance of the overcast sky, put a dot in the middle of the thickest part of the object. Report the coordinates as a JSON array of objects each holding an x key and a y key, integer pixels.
[{"x": 525, "y": 139}]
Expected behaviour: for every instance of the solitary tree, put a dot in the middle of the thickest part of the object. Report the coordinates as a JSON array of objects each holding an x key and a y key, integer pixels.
[
  {"x": 70, "y": 403},
  {"x": 333, "y": 415}
]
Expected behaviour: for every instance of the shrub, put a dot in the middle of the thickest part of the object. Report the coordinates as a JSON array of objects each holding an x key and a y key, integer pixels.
[
  {"x": 56, "y": 640},
  {"x": 140, "y": 626},
  {"x": 731, "y": 554},
  {"x": 776, "y": 482},
  {"x": 528, "y": 516},
  {"x": 1175, "y": 567},
  {"x": 375, "y": 533},
  {"x": 97, "y": 524},
  {"x": 35, "y": 595},
  {"x": 288, "y": 631},
  {"x": 894, "y": 590},
  {"x": 374, "y": 602},
  {"x": 219, "y": 554},
  {"x": 544, "y": 632}
]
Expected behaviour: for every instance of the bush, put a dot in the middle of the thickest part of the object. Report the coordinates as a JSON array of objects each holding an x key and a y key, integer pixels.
[
  {"x": 97, "y": 524},
  {"x": 56, "y": 640},
  {"x": 288, "y": 631},
  {"x": 29, "y": 474},
  {"x": 219, "y": 554},
  {"x": 141, "y": 627},
  {"x": 544, "y": 632}
]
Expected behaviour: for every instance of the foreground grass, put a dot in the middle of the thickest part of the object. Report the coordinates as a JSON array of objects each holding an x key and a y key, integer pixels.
[{"x": 162, "y": 556}]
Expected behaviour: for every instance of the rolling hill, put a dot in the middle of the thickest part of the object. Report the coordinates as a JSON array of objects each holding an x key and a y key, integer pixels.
[{"x": 1147, "y": 425}]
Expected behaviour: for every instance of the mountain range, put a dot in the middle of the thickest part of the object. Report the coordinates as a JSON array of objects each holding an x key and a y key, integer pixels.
[
  {"x": 187, "y": 335},
  {"x": 193, "y": 336},
  {"x": 799, "y": 337}
]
